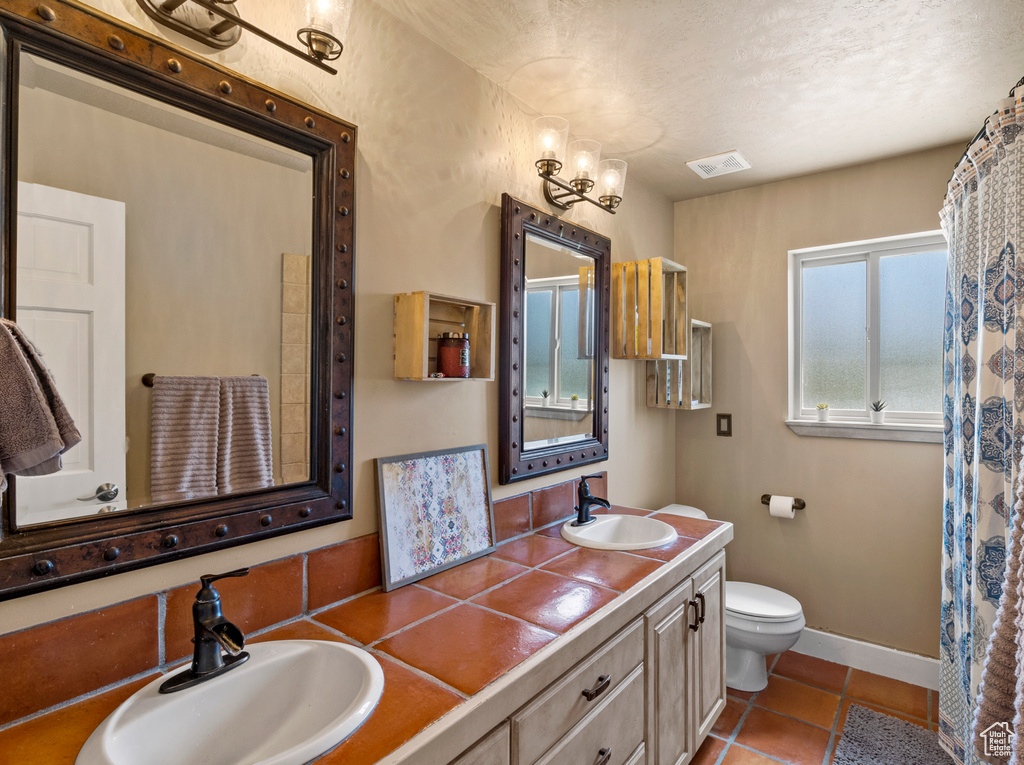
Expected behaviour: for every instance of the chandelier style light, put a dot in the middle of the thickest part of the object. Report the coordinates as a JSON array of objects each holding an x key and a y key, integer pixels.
[
  {"x": 586, "y": 170},
  {"x": 217, "y": 23}
]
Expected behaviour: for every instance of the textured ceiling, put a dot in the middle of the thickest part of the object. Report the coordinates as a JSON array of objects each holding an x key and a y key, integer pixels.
[{"x": 796, "y": 86}]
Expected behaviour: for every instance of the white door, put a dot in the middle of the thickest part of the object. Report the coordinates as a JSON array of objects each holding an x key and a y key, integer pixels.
[{"x": 70, "y": 296}]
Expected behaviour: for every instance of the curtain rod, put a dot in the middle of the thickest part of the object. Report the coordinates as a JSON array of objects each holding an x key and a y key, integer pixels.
[{"x": 979, "y": 134}]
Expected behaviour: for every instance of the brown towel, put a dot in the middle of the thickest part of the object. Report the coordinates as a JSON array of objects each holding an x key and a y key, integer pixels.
[
  {"x": 244, "y": 459},
  {"x": 35, "y": 426},
  {"x": 186, "y": 422},
  {"x": 1001, "y": 692}
]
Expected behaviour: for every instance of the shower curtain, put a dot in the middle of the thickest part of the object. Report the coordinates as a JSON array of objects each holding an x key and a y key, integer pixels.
[{"x": 982, "y": 408}]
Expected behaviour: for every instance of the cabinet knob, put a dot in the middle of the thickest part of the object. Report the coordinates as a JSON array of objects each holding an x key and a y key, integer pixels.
[
  {"x": 696, "y": 615},
  {"x": 605, "y": 754},
  {"x": 703, "y": 607},
  {"x": 602, "y": 685}
]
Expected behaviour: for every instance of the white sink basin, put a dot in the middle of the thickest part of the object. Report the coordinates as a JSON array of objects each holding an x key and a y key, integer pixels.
[
  {"x": 620, "y": 532},
  {"x": 290, "y": 702}
]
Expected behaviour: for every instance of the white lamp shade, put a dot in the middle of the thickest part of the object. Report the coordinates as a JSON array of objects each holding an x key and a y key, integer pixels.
[
  {"x": 611, "y": 177},
  {"x": 550, "y": 135},
  {"x": 330, "y": 16},
  {"x": 584, "y": 156}
]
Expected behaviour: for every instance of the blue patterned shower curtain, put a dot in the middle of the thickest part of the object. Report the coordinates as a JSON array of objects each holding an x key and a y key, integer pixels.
[{"x": 982, "y": 409}]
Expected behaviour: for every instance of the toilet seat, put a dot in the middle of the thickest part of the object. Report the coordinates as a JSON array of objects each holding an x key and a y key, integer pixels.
[{"x": 759, "y": 603}]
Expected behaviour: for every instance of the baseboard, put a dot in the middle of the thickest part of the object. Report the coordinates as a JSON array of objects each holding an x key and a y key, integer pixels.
[{"x": 888, "y": 662}]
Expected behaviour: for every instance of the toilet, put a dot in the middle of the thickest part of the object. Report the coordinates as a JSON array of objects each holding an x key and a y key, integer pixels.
[{"x": 759, "y": 621}]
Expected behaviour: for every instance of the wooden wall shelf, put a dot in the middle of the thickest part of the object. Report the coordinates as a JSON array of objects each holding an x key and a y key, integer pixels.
[
  {"x": 421, "y": 316},
  {"x": 649, "y": 310},
  {"x": 683, "y": 383}
]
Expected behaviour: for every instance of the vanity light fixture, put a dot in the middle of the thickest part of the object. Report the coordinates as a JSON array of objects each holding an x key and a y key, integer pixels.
[
  {"x": 218, "y": 24},
  {"x": 586, "y": 170}
]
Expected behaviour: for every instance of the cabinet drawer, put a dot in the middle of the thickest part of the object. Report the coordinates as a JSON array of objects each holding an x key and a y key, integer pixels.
[
  {"x": 547, "y": 718},
  {"x": 492, "y": 749},
  {"x": 616, "y": 729}
]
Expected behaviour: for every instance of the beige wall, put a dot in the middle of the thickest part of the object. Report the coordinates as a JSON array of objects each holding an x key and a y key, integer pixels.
[
  {"x": 437, "y": 146},
  {"x": 863, "y": 558}
]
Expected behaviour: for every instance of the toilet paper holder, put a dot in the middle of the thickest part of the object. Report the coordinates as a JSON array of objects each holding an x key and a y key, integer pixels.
[{"x": 798, "y": 504}]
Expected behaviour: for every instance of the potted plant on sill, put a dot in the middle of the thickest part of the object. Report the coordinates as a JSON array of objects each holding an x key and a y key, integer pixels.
[
  {"x": 877, "y": 411},
  {"x": 574, "y": 401},
  {"x": 822, "y": 412},
  {"x": 544, "y": 398}
]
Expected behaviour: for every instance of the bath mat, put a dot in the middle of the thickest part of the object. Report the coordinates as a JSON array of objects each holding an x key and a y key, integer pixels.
[{"x": 871, "y": 738}]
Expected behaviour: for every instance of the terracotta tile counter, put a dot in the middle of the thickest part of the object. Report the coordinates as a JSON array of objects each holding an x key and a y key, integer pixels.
[{"x": 461, "y": 650}]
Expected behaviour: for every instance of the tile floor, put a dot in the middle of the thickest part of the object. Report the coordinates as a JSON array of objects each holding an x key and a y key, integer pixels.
[{"x": 798, "y": 719}]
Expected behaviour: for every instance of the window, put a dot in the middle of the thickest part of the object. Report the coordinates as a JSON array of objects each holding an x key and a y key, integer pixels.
[
  {"x": 557, "y": 352},
  {"x": 866, "y": 324}
]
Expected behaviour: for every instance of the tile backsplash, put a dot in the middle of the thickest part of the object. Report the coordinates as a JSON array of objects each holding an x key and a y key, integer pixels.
[{"x": 51, "y": 664}]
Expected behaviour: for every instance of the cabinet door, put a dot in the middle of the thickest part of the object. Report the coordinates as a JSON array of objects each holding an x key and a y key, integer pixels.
[
  {"x": 492, "y": 749},
  {"x": 670, "y": 738},
  {"x": 708, "y": 674}
]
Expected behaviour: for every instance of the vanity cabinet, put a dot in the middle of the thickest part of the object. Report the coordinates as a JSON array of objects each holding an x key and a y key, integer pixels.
[
  {"x": 686, "y": 664},
  {"x": 637, "y": 686},
  {"x": 597, "y": 704}
]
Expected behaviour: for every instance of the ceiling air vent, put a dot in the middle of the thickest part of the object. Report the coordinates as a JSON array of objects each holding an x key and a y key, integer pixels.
[{"x": 720, "y": 164}]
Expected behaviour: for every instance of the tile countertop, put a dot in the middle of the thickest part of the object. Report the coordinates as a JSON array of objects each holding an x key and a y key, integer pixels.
[{"x": 460, "y": 650}]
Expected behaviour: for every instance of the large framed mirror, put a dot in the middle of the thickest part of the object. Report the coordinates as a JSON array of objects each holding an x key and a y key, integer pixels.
[
  {"x": 555, "y": 292},
  {"x": 177, "y": 245}
]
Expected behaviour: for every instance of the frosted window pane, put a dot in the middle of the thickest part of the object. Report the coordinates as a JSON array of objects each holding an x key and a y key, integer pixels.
[
  {"x": 912, "y": 293},
  {"x": 834, "y": 343},
  {"x": 538, "y": 343},
  {"x": 572, "y": 369}
]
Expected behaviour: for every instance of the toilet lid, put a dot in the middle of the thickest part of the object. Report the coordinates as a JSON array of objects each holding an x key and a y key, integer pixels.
[
  {"x": 761, "y": 602},
  {"x": 687, "y": 511}
]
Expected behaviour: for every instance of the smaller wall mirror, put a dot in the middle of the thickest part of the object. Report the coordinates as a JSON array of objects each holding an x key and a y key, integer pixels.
[{"x": 554, "y": 346}]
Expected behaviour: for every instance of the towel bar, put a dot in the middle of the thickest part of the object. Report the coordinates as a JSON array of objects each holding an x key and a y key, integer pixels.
[{"x": 147, "y": 379}]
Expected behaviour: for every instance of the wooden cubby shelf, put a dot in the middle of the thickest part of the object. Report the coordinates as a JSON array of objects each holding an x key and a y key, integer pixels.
[
  {"x": 683, "y": 383},
  {"x": 421, "y": 316},
  {"x": 649, "y": 311}
]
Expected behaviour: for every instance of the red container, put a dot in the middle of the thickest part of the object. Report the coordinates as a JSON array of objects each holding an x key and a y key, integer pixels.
[{"x": 453, "y": 354}]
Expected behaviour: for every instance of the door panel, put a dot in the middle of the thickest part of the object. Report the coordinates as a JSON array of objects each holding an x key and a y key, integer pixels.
[
  {"x": 670, "y": 738},
  {"x": 70, "y": 290},
  {"x": 709, "y": 645}
]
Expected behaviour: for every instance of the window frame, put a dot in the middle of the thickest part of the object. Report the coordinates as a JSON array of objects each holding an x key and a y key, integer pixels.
[
  {"x": 870, "y": 252},
  {"x": 556, "y": 285}
]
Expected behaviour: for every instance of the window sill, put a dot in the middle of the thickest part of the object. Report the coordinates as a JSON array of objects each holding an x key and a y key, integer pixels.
[
  {"x": 889, "y": 431},
  {"x": 556, "y": 412}
]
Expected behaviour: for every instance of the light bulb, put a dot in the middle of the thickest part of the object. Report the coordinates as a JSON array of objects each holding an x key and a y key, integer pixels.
[
  {"x": 549, "y": 137},
  {"x": 585, "y": 155},
  {"x": 549, "y": 140},
  {"x": 611, "y": 181}
]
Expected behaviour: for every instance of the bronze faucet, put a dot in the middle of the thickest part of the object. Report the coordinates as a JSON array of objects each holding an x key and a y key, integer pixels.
[
  {"x": 586, "y": 499},
  {"x": 212, "y": 633}
]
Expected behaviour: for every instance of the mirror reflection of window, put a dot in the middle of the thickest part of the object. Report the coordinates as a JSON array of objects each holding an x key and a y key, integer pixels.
[{"x": 558, "y": 357}]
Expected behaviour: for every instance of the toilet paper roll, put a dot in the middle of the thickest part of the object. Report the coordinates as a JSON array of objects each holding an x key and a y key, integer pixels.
[{"x": 780, "y": 507}]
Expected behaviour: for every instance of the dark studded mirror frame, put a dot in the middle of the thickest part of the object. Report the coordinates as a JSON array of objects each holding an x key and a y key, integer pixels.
[
  {"x": 38, "y": 558},
  {"x": 519, "y": 219}
]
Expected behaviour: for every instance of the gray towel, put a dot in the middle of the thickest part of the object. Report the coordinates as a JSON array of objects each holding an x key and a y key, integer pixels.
[
  {"x": 245, "y": 454},
  {"x": 35, "y": 426},
  {"x": 186, "y": 424}
]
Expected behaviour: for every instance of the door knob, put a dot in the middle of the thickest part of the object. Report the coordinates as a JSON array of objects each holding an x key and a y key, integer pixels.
[{"x": 105, "y": 492}]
